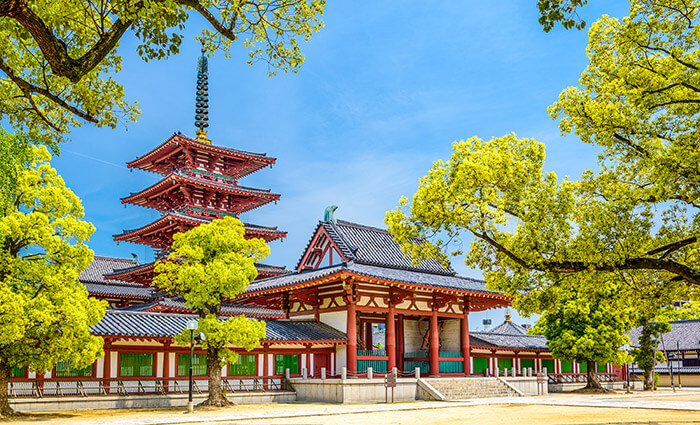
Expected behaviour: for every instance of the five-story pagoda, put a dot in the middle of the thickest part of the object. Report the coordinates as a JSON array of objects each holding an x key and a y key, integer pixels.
[{"x": 199, "y": 184}]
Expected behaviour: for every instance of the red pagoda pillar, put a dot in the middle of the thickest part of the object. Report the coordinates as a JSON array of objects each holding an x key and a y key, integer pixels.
[
  {"x": 465, "y": 342},
  {"x": 390, "y": 339},
  {"x": 352, "y": 337},
  {"x": 434, "y": 345},
  {"x": 399, "y": 341}
]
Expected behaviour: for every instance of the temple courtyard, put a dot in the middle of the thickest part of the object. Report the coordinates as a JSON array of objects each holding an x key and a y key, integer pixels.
[{"x": 661, "y": 407}]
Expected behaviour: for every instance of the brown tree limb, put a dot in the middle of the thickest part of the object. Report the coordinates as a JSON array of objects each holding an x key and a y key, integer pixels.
[{"x": 54, "y": 49}]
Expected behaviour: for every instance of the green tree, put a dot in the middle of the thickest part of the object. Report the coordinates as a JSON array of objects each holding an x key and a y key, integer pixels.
[
  {"x": 689, "y": 310},
  {"x": 60, "y": 58},
  {"x": 209, "y": 264},
  {"x": 639, "y": 101},
  {"x": 588, "y": 327},
  {"x": 45, "y": 312},
  {"x": 15, "y": 152},
  {"x": 646, "y": 356},
  {"x": 562, "y": 11}
]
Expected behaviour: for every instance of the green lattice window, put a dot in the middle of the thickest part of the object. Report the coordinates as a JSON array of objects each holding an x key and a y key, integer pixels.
[
  {"x": 505, "y": 363},
  {"x": 481, "y": 365},
  {"x": 17, "y": 372},
  {"x": 199, "y": 365},
  {"x": 549, "y": 365},
  {"x": 602, "y": 368},
  {"x": 284, "y": 361},
  {"x": 135, "y": 364},
  {"x": 64, "y": 369},
  {"x": 583, "y": 367},
  {"x": 244, "y": 366},
  {"x": 527, "y": 363},
  {"x": 566, "y": 366}
]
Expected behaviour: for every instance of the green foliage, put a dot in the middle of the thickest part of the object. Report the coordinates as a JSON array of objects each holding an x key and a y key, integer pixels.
[
  {"x": 646, "y": 356},
  {"x": 210, "y": 263},
  {"x": 60, "y": 58},
  {"x": 562, "y": 11},
  {"x": 45, "y": 312},
  {"x": 689, "y": 310},
  {"x": 15, "y": 153},
  {"x": 636, "y": 220},
  {"x": 587, "y": 327}
]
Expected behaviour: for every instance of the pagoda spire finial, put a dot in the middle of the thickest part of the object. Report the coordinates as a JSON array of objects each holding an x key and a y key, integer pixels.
[
  {"x": 507, "y": 315},
  {"x": 201, "y": 118}
]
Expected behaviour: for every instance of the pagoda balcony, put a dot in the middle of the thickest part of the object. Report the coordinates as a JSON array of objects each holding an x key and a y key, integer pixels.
[
  {"x": 198, "y": 197},
  {"x": 180, "y": 152},
  {"x": 159, "y": 234}
]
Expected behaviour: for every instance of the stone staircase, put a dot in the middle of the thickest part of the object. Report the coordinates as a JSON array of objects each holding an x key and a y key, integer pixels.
[{"x": 468, "y": 387}]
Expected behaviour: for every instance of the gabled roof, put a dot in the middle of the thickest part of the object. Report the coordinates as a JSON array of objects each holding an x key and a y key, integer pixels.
[
  {"x": 489, "y": 339},
  {"x": 177, "y": 305},
  {"x": 372, "y": 246},
  {"x": 121, "y": 323},
  {"x": 684, "y": 333},
  {"x": 375, "y": 273},
  {"x": 101, "y": 265},
  {"x": 147, "y": 268}
]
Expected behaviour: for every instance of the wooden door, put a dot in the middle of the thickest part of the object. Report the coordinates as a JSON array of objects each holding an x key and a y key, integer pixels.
[{"x": 322, "y": 360}]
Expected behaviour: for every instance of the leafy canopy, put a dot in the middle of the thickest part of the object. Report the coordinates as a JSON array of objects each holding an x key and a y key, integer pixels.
[
  {"x": 210, "y": 263},
  {"x": 636, "y": 216},
  {"x": 45, "y": 312},
  {"x": 60, "y": 57}
]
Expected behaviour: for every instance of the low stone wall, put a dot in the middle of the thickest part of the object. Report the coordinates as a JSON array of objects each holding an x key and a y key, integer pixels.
[
  {"x": 356, "y": 390},
  {"x": 135, "y": 401},
  {"x": 563, "y": 388},
  {"x": 527, "y": 385}
]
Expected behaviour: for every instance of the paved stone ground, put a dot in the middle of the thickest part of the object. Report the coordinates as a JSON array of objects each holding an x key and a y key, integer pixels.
[{"x": 659, "y": 408}]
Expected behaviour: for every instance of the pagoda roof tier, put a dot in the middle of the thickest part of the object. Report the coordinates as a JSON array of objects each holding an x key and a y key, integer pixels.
[
  {"x": 180, "y": 152},
  {"x": 159, "y": 234},
  {"x": 143, "y": 273},
  {"x": 197, "y": 196}
]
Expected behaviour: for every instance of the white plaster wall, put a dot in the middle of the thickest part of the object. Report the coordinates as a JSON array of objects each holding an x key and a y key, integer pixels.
[
  {"x": 171, "y": 364},
  {"x": 113, "y": 358},
  {"x": 341, "y": 360},
  {"x": 159, "y": 364},
  {"x": 100, "y": 367},
  {"x": 335, "y": 319},
  {"x": 450, "y": 338},
  {"x": 271, "y": 364},
  {"x": 261, "y": 364},
  {"x": 412, "y": 337}
]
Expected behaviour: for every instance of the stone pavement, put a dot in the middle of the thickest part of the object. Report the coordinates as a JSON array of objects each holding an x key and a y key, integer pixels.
[{"x": 688, "y": 401}]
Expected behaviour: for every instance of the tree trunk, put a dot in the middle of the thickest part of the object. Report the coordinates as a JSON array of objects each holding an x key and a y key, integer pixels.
[
  {"x": 592, "y": 378},
  {"x": 5, "y": 409},
  {"x": 216, "y": 389}
]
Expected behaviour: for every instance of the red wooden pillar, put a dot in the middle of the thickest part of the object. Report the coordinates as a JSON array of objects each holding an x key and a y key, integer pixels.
[
  {"x": 434, "y": 345},
  {"x": 352, "y": 337},
  {"x": 465, "y": 343},
  {"x": 399, "y": 342},
  {"x": 107, "y": 368},
  {"x": 266, "y": 364},
  {"x": 166, "y": 365},
  {"x": 368, "y": 336},
  {"x": 391, "y": 338}
]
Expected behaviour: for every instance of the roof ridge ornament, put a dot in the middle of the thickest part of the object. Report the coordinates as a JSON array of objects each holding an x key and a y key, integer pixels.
[
  {"x": 202, "y": 99},
  {"x": 508, "y": 316},
  {"x": 329, "y": 213}
]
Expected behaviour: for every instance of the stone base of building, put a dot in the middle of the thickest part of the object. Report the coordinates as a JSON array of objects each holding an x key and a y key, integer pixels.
[
  {"x": 359, "y": 390},
  {"x": 35, "y": 404}
]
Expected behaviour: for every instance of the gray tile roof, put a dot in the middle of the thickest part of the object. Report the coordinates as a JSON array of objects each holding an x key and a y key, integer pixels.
[
  {"x": 685, "y": 332},
  {"x": 392, "y": 274},
  {"x": 262, "y": 268},
  {"x": 226, "y": 309},
  {"x": 102, "y": 265},
  {"x": 488, "y": 339},
  {"x": 122, "y": 291},
  {"x": 508, "y": 328},
  {"x": 145, "y": 324},
  {"x": 374, "y": 246}
]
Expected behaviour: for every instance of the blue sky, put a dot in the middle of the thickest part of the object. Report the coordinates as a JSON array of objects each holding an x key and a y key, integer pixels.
[{"x": 386, "y": 88}]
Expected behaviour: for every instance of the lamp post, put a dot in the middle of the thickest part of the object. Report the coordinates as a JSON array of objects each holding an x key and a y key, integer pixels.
[{"x": 191, "y": 326}]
